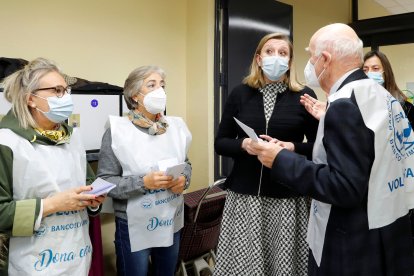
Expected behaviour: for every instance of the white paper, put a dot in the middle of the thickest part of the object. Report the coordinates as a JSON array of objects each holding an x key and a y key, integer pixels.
[
  {"x": 176, "y": 170},
  {"x": 164, "y": 164},
  {"x": 100, "y": 187},
  {"x": 249, "y": 131}
]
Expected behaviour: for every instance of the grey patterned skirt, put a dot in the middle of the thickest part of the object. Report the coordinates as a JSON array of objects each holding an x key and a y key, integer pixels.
[{"x": 263, "y": 236}]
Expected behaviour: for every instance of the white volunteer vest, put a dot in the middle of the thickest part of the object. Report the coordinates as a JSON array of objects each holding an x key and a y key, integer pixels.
[
  {"x": 61, "y": 246},
  {"x": 154, "y": 217},
  {"x": 391, "y": 182},
  {"x": 319, "y": 212}
]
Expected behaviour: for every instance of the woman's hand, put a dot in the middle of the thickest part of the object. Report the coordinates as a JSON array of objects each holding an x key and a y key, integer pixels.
[
  {"x": 97, "y": 201},
  {"x": 247, "y": 146},
  {"x": 178, "y": 185},
  {"x": 157, "y": 180},
  {"x": 70, "y": 200},
  {"x": 313, "y": 106},
  {"x": 287, "y": 145}
]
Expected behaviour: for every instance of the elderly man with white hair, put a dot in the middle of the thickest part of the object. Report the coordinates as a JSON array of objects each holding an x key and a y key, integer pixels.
[{"x": 361, "y": 178}]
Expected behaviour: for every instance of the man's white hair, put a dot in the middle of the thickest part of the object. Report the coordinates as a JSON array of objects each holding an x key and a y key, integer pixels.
[{"x": 341, "y": 46}]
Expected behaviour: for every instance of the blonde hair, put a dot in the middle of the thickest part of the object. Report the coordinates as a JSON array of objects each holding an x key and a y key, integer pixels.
[
  {"x": 21, "y": 83},
  {"x": 135, "y": 80},
  {"x": 256, "y": 78}
]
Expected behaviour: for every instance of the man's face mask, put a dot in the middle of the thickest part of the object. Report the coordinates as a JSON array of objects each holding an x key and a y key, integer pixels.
[{"x": 310, "y": 74}]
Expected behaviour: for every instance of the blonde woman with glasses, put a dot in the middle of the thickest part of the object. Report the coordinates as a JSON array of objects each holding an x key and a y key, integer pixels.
[{"x": 43, "y": 172}]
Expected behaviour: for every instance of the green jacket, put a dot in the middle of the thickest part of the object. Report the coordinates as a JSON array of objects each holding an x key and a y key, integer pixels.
[{"x": 14, "y": 214}]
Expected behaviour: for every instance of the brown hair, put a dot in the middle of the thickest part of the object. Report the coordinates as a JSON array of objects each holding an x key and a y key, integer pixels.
[
  {"x": 389, "y": 79},
  {"x": 256, "y": 78}
]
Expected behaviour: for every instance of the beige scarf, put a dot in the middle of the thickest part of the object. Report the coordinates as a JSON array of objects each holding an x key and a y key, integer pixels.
[{"x": 158, "y": 127}]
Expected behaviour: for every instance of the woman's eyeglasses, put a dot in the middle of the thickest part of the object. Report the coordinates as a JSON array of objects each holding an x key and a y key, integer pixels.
[{"x": 58, "y": 90}]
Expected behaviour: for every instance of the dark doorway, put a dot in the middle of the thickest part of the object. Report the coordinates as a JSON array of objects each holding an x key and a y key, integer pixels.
[{"x": 240, "y": 24}]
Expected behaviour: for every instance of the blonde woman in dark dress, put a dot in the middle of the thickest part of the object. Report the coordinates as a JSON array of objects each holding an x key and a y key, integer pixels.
[{"x": 264, "y": 224}]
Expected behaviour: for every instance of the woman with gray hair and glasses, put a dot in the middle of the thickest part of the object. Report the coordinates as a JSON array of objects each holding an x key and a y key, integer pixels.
[
  {"x": 43, "y": 171},
  {"x": 148, "y": 201}
]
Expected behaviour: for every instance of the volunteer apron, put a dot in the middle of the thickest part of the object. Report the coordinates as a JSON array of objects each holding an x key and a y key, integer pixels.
[
  {"x": 390, "y": 184},
  {"x": 61, "y": 245},
  {"x": 153, "y": 218},
  {"x": 319, "y": 212}
]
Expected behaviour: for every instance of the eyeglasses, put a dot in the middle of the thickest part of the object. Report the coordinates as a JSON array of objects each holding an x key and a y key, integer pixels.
[{"x": 58, "y": 90}]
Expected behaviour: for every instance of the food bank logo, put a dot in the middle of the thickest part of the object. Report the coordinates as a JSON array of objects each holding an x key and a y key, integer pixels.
[{"x": 402, "y": 140}]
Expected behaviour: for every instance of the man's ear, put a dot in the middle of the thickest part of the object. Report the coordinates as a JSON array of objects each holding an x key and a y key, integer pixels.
[{"x": 327, "y": 57}]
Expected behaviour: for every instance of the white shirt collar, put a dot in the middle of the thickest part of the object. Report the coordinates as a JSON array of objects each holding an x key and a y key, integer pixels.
[{"x": 334, "y": 87}]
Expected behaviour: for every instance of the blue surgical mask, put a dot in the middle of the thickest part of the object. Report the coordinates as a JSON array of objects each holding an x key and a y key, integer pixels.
[
  {"x": 274, "y": 67},
  {"x": 376, "y": 76},
  {"x": 59, "y": 108}
]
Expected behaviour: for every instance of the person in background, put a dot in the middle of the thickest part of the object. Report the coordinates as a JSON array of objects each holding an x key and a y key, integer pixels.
[
  {"x": 43, "y": 171},
  {"x": 148, "y": 204},
  {"x": 264, "y": 224},
  {"x": 361, "y": 166},
  {"x": 378, "y": 67}
]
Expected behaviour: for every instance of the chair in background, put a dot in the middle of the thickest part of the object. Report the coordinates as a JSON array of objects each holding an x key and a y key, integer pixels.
[{"x": 203, "y": 210}]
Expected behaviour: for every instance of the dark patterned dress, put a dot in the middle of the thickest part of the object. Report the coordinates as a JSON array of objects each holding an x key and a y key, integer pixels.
[{"x": 263, "y": 235}]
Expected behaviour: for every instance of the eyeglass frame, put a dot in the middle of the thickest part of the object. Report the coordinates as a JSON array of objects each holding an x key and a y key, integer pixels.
[{"x": 68, "y": 90}]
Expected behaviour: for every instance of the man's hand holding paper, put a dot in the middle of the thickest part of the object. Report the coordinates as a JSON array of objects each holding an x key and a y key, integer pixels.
[{"x": 249, "y": 131}]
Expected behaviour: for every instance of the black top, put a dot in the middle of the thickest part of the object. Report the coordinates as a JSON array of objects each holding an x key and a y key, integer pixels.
[
  {"x": 289, "y": 122},
  {"x": 409, "y": 111}
]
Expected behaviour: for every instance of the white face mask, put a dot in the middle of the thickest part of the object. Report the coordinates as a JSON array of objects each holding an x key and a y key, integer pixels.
[
  {"x": 155, "y": 101},
  {"x": 310, "y": 74},
  {"x": 274, "y": 67}
]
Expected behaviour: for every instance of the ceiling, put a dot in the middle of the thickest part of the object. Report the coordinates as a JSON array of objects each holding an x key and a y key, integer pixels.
[{"x": 397, "y": 6}]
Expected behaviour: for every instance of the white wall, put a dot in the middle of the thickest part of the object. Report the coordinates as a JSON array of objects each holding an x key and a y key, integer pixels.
[{"x": 308, "y": 17}]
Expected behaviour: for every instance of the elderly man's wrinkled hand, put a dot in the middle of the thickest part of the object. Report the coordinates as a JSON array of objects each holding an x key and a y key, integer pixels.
[
  {"x": 287, "y": 145},
  {"x": 266, "y": 152},
  {"x": 313, "y": 106}
]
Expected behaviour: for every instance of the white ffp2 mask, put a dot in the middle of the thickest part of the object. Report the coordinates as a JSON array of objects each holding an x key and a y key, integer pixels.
[
  {"x": 311, "y": 78},
  {"x": 155, "y": 101}
]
